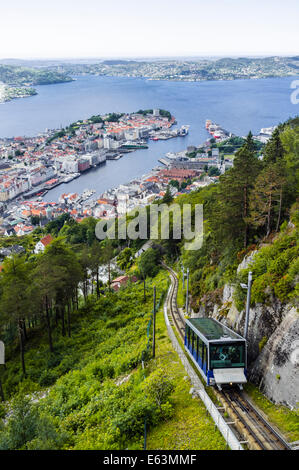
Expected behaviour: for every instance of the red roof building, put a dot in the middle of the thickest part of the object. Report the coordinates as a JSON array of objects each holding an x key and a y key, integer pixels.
[{"x": 41, "y": 245}]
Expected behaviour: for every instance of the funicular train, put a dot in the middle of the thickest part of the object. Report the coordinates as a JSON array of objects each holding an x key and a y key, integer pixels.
[{"x": 218, "y": 352}]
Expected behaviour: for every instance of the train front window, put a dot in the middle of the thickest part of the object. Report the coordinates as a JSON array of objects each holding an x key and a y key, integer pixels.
[{"x": 227, "y": 355}]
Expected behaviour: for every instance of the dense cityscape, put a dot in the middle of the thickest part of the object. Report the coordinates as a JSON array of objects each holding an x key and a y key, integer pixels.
[{"x": 30, "y": 167}]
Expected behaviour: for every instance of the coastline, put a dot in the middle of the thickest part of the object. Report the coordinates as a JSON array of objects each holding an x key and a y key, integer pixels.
[{"x": 9, "y": 93}]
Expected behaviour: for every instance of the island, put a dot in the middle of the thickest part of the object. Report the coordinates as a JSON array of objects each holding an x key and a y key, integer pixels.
[{"x": 17, "y": 82}]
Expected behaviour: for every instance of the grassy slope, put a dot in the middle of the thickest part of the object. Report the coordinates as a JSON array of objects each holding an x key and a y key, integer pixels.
[
  {"x": 81, "y": 381},
  {"x": 286, "y": 420},
  {"x": 190, "y": 427}
]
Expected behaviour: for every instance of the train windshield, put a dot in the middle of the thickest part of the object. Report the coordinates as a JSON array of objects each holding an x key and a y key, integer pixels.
[{"x": 227, "y": 355}]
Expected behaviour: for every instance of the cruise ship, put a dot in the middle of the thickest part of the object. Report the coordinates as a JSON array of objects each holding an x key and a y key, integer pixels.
[{"x": 216, "y": 131}]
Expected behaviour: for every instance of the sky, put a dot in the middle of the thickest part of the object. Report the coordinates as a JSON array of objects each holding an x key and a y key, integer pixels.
[{"x": 153, "y": 28}]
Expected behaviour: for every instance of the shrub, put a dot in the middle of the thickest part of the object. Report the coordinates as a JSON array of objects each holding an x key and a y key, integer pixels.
[
  {"x": 279, "y": 265},
  {"x": 262, "y": 288},
  {"x": 239, "y": 296},
  {"x": 283, "y": 288},
  {"x": 293, "y": 271},
  {"x": 48, "y": 377},
  {"x": 26, "y": 428},
  {"x": 262, "y": 343},
  {"x": 158, "y": 386}
]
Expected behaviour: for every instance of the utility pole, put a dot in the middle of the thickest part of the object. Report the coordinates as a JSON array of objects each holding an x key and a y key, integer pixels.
[
  {"x": 248, "y": 304},
  {"x": 2, "y": 351},
  {"x": 2, "y": 362},
  {"x": 187, "y": 292},
  {"x": 154, "y": 323},
  {"x": 144, "y": 443},
  {"x": 248, "y": 288}
]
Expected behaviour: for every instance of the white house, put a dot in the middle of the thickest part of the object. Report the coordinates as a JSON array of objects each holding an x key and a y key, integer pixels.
[{"x": 41, "y": 245}]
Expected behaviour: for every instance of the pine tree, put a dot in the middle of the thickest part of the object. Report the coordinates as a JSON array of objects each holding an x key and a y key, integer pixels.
[
  {"x": 230, "y": 219},
  {"x": 64, "y": 273},
  {"x": 95, "y": 262},
  {"x": 266, "y": 194},
  {"x": 107, "y": 255},
  {"x": 15, "y": 301},
  {"x": 167, "y": 198},
  {"x": 249, "y": 143},
  {"x": 274, "y": 151},
  {"x": 84, "y": 259}
]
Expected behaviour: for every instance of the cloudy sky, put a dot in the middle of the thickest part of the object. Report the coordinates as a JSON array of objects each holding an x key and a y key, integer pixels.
[{"x": 139, "y": 28}]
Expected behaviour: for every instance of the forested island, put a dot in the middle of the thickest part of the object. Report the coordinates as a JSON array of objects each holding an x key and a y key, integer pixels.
[{"x": 17, "y": 82}]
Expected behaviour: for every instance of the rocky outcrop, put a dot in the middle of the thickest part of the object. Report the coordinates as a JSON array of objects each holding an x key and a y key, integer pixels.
[{"x": 276, "y": 369}]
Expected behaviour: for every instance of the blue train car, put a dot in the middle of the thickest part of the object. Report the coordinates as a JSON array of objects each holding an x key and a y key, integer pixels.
[{"x": 218, "y": 352}]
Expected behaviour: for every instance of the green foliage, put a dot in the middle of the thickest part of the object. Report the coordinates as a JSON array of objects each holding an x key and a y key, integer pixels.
[
  {"x": 148, "y": 263},
  {"x": 55, "y": 225},
  {"x": 274, "y": 270},
  {"x": 125, "y": 259},
  {"x": 175, "y": 183},
  {"x": 159, "y": 387},
  {"x": 262, "y": 343},
  {"x": 27, "y": 428},
  {"x": 99, "y": 397},
  {"x": 163, "y": 112},
  {"x": 281, "y": 416},
  {"x": 239, "y": 211},
  {"x": 283, "y": 288},
  {"x": 113, "y": 117},
  {"x": 213, "y": 171},
  {"x": 167, "y": 198},
  {"x": 109, "y": 342},
  {"x": 262, "y": 288}
]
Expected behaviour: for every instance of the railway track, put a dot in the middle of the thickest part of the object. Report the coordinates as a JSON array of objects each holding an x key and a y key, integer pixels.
[
  {"x": 176, "y": 317},
  {"x": 256, "y": 432}
]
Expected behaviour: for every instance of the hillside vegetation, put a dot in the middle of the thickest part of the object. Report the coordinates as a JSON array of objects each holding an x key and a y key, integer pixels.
[
  {"x": 75, "y": 349},
  {"x": 25, "y": 76},
  {"x": 92, "y": 392},
  {"x": 250, "y": 206}
]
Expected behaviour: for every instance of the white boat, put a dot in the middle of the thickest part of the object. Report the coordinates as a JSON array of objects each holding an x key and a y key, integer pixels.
[{"x": 184, "y": 130}]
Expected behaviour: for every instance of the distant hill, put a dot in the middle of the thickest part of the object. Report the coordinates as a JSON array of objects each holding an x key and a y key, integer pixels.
[
  {"x": 121, "y": 62},
  {"x": 24, "y": 76}
]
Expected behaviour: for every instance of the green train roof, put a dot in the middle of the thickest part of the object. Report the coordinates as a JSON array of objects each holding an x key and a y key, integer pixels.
[{"x": 213, "y": 330}]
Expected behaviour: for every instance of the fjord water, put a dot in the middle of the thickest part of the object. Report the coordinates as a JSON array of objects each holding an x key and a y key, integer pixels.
[{"x": 237, "y": 105}]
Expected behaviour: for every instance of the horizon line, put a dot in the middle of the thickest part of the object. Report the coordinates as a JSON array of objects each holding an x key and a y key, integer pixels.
[{"x": 232, "y": 55}]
